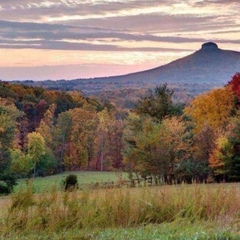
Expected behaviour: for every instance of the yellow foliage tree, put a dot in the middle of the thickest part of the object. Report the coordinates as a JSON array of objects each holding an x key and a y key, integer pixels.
[
  {"x": 222, "y": 148},
  {"x": 212, "y": 108}
]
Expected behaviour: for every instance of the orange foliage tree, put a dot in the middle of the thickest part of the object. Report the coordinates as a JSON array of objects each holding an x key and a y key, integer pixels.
[{"x": 212, "y": 108}]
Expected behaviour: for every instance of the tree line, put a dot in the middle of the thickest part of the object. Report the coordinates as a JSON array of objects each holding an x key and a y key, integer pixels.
[
  {"x": 43, "y": 132},
  {"x": 198, "y": 141}
]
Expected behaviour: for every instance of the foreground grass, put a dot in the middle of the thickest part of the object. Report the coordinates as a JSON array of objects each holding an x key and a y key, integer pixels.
[
  {"x": 42, "y": 184},
  {"x": 166, "y": 212},
  {"x": 177, "y": 230}
]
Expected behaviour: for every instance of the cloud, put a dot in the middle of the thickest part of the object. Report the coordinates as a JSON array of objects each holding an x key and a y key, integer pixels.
[
  {"x": 117, "y": 25},
  {"x": 142, "y": 16},
  {"x": 225, "y": 2},
  {"x": 37, "y": 10},
  {"x": 68, "y": 37},
  {"x": 64, "y": 45}
]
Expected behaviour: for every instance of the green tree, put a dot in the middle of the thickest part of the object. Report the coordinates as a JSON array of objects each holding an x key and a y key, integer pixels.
[
  {"x": 21, "y": 163},
  {"x": 36, "y": 148},
  {"x": 157, "y": 104},
  {"x": 62, "y": 138},
  {"x": 8, "y": 118},
  {"x": 132, "y": 126},
  {"x": 154, "y": 148},
  {"x": 232, "y": 163}
]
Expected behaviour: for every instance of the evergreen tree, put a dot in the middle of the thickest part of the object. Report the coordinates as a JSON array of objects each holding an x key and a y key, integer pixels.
[
  {"x": 158, "y": 104},
  {"x": 232, "y": 164}
]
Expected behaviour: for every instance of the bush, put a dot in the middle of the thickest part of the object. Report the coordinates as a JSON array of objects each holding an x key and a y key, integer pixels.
[
  {"x": 4, "y": 190},
  {"x": 71, "y": 182},
  {"x": 7, "y": 182}
]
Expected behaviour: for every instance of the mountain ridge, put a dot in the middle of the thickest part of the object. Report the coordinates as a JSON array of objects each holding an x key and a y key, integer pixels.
[{"x": 206, "y": 68}]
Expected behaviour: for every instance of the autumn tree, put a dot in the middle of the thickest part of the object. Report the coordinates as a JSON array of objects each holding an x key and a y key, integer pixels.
[
  {"x": 108, "y": 141},
  {"x": 116, "y": 144},
  {"x": 225, "y": 158},
  {"x": 203, "y": 143},
  {"x": 46, "y": 126},
  {"x": 196, "y": 167},
  {"x": 104, "y": 121},
  {"x": 234, "y": 85},
  {"x": 82, "y": 135},
  {"x": 212, "y": 108}
]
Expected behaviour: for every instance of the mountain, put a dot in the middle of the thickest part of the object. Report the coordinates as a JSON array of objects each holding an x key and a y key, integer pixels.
[{"x": 206, "y": 68}]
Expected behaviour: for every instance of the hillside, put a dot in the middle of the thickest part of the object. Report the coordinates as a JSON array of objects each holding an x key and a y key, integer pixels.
[{"x": 205, "y": 69}]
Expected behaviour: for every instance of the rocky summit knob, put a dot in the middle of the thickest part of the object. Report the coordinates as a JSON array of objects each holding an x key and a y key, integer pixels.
[{"x": 209, "y": 46}]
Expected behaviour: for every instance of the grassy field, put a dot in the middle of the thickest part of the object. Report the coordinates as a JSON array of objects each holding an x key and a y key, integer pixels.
[
  {"x": 165, "y": 231},
  {"x": 160, "y": 212},
  {"x": 42, "y": 184}
]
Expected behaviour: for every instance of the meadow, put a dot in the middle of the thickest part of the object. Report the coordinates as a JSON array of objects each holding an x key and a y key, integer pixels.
[
  {"x": 85, "y": 179},
  {"x": 196, "y": 211}
]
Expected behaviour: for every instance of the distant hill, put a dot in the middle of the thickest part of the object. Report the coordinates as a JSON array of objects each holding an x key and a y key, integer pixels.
[{"x": 206, "y": 68}]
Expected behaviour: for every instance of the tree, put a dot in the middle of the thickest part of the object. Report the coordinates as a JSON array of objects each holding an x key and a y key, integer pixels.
[
  {"x": 154, "y": 148},
  {"x": 108, "y": 141},
  {"x": 46, "y": 127},
  {"x": 212, "y": 108},
  {"x": 21, "y": 163},
  {"x": 224, "y": 159},
  {"x": 217, "y": 159},
  {"x": 178, "y": 145},
  {"x": 203, "y": 143},
  {"x": 36, "y": 148},
  {"x": 234, "y": 85},
  {"x": 132, "y": 126},
  {"x": 157, "y": 104},
  {"x": 232, "y": 161},
  {"x": 62, "y": 138},
  {"x": 116, "y": 144},
  {"x": 196, "y": 167},
  {"x": 83, "y": 133},
  {"x": 8, "y": 117},
  {"x": 6, "y": 140}
]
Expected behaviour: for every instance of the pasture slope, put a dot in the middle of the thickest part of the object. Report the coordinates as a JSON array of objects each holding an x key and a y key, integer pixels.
[{"x": 160, "y": 212}]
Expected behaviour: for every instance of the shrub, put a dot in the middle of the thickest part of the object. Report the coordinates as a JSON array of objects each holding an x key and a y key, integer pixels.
[
  {"x": 4, "y": 189},
  {"x": 7, "y": 182},
  {"x": 70, "y": 182}
]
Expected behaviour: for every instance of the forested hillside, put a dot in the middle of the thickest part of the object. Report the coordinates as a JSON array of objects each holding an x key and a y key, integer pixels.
[{"x": 43, "y": 132}]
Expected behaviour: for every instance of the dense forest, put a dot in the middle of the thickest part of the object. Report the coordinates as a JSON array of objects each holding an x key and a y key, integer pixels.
[{"x": 43, "y": 132}]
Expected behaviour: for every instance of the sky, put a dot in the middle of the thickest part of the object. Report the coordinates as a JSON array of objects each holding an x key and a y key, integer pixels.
[{"x": 68, "y": 39}]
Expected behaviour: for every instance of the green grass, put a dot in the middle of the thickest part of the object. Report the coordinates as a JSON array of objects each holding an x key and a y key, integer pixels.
[
  {"x": 42, "y": 184},
  {"x": 178, "y": 230}
]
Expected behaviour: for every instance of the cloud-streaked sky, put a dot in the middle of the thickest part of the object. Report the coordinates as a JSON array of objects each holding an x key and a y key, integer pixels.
[{"x": 90, "y": 38}]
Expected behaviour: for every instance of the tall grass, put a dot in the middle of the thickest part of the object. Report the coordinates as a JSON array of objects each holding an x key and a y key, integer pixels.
[{"x": 121, "y": 208}]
